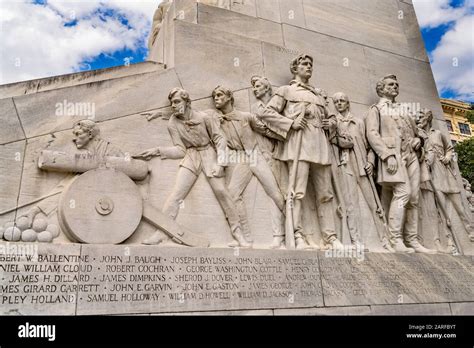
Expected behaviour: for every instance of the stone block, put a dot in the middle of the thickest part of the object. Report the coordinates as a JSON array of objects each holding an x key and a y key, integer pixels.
[
  {"x": 372, "y": 23},
  {"x": 239, "y": 24},
  {"x": 377, "y": 278},
  {"x": 246, "y": 7},
  {"x": 137, "y": 280},
  {"x": 11, "y": 166},
  {"x": 412, "y": 309},
  {"x": 56, "y": 110},
  {"x": 349, "y": 310},
  {"x": 411, "y": 28},
  {"x": 338, "y": 65},
  {"x": 269, "y": 9},
  {"x": 292, "y": 13},
  {"x": 417, "y": 84},
  {"x": 462, "y": 308},
  {"x": 211, "y": 60},
  {"x": 11, "y": 128},
  {"x": 40, "y": 278}
]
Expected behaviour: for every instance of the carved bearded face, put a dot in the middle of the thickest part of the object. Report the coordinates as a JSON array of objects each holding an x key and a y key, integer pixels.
[
  {"x": 259, "y": 89},
  {"x": 220, "y": 99},
  {"x": 81, "y": 137},
  {"x": 305, "y": 69},
  {"x": 391, "y": 88}
]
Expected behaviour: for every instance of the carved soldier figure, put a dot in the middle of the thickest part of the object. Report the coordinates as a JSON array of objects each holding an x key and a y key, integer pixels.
[
  {"x": 87, "y": 139},
  {"x": 283, "y": 116},
  {"x": 262, "y": 89},
  {"x": 439, "y": 156},
  {"x": 356, "y": 160},
  {"x": 393, "y": 135},
  {"x": 194, "y": 135},
  {"x": 240, "y": 129},
  {"x": 468, "y": 191}
]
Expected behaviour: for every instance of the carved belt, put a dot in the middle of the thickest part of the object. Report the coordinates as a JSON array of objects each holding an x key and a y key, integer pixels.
[{"x": 200, "y": 148}]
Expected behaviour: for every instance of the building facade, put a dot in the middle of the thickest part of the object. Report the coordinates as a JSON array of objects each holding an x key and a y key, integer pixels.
[{"x": 455, "y": 113}]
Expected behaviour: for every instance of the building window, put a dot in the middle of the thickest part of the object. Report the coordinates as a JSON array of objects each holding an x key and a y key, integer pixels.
[
  {"x": 449, "y": 125},
  {"x": 464, "y": 128}
]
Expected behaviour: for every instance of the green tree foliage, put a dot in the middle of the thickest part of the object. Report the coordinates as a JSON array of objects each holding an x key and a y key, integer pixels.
[
  {"x": 465, "y": 157},
  {"x": 470, "y": 115}
]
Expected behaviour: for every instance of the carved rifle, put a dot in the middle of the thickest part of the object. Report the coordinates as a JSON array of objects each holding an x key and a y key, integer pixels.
[
  {"x": 383, "y": 235},
  {"x": 289, "y": 222}
]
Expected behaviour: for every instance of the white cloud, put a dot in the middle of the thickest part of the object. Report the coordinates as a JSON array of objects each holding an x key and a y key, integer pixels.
[
  {"x": 451, "y": 60},
  {"x": 433, "y": 13},
  {"x": 35, "y": 43}
]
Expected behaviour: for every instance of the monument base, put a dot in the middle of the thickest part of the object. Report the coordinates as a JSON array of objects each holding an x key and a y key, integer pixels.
[{"x": 77, "y": 279}]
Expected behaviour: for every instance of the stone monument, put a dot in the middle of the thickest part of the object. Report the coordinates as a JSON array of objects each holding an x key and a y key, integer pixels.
[{"x": 147, "y": 189}]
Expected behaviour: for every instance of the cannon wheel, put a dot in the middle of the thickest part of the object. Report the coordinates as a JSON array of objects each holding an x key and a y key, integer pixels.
[{"x": 101, "y": 206}]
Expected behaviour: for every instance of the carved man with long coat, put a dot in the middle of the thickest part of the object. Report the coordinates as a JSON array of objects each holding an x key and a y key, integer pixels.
[
  {"x": 282, "y": 116},
  {"x": 439, "y": 154},
  {"x": 393, "y": 135}
]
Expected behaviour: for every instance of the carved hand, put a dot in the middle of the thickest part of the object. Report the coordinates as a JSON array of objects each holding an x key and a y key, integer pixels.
[
  {"x": 299, "y": 123},
  {"x": 218, "y": 171},
  {"x": 148, "y": 154},
  {"x": 392, "y": 165},
  {"x": 326, "y": 123},
  {"x": 445, "y": 160},
  {"x": 369, "y": 169},
  {"x": 416, "y": 143}
]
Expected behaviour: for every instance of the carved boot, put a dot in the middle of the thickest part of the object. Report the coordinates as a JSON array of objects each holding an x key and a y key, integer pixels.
[
  {"x": 278, "y": 242},
  {"x": 420, "y": 248},
  {"x": 387, "y": 246},
  {"x": 301, "y": 243},
  {"x": 336, "y": 244},
  {"x": 311, "y": 242},
  {"x": 240, "y": 240},
  {"x": 440, "y": 248},
  {"x": 399, "y": 247}
]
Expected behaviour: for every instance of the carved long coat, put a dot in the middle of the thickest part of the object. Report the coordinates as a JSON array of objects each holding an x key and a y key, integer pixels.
[{"x": 284, "y": 108}]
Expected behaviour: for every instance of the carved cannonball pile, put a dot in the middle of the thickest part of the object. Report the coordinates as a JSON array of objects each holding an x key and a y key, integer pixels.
[{"x": 40, "y": 231}]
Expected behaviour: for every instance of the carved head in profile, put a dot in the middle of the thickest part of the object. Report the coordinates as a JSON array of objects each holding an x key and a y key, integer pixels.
[
  {"x": 387, "y": 87},
  {"x": 341, "y": 102},
  {"x": 302, "y": 67},
  {"x": 180, "y": 101},
  {"x": 84, "y": 131},
  {"x": 260, "y": 86},
  {"x": 222, "y": 96},
  {"x": 424, "y": 117}
]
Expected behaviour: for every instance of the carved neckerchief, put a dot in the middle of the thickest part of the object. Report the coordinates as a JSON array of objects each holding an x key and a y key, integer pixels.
[
  {"x": 231, "y": 131},
  {"x": 305, "y": 86}
]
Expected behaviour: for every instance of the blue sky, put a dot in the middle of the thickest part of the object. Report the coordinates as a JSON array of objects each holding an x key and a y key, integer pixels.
[{"x": 95, "y": 34}]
